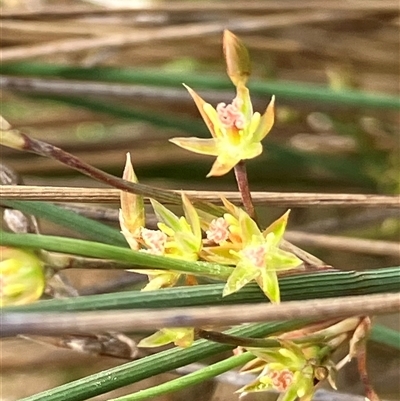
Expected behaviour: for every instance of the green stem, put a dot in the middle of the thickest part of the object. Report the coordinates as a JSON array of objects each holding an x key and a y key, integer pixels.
[
  {"x": 190, "y": 379},
  {"x": 104, "y": 251}
]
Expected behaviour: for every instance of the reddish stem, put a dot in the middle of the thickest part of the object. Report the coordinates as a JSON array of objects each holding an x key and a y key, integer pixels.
[{"x": 243, "y": 185}]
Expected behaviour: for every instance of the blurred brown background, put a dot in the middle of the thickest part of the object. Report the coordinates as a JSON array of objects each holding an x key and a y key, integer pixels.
[{"x": 340, "y": 136}]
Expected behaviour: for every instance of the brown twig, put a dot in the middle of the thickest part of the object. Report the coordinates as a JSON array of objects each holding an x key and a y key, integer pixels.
[
  {"x": 214, "y": 7},
  {"x": 281, "y": 199},
  {"x": 77, "y": 87},
  {"x": 149, "y": 319},
  {"x": 361, "y": 355},
  {"x": 355, "y": 220},
  {"x": 18, "y": 140},
  {"x": 171, "y": 32},
  {"x": 346, "y": 244}
]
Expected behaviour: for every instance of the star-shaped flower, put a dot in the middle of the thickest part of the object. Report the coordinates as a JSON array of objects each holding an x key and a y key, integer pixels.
[
  {"x": 256, "y": 254},
  {"x": 236, "y": 130}
]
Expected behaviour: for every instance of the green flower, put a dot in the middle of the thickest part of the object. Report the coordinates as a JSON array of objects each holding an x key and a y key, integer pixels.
[
  {"x": 291, "y": 370},
  {"x": 255, "y": 254}
]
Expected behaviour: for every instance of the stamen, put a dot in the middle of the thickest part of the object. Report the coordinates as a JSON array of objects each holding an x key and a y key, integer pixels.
[
  {"x": 155, "y": 240},
  {"x": 281, "y": 380},
  {"x": 256, "y": 255},
  {"x": 230, "y": 115},
  {"x": 218, "y": 230}
]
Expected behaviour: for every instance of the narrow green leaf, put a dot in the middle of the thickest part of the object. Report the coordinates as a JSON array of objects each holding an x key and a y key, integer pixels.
[
  {"x": 157, "y": 77},
  {"x": 385, "y": 335},
  {"x": 294, "y": 287},
  {"x": 89, "y": 228},
  {"x": 105, "y": 251},
  {"x": 190, "y": 379}
]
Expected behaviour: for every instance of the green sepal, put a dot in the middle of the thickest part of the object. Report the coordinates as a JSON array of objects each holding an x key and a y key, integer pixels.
[
  {"x": 166, "y": 216},
  {"x": 241, "y": 275}
]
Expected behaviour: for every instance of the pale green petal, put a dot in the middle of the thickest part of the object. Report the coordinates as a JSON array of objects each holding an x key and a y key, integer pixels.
[
  {"x": 237, "y": 58},
  {"x": 163, "y": 280},
  {"x": 279, "y": 260},
  {"x": 197, "y": 145},
  {"x": 200, "y": 103},
  {"x": 156, "y": 340},
  {"x": 192, "y": 217},
  {"x": 218, "y": 130},
  {"x": 254, "y": 123},
  {"x": 165, "y": 215},
  {"x": 250, "y": 151},
  {"x": 219, "y": 254},
  {"x": 266, "y": 122},
  {"x": 232, "y": 209},
  {"x": 248, "y": 228},
  {"x": 182, "y": 336},
  {"x": 290, "y": 394},
  {"x": 268, "y": 282},
  {"x": 21, "y": 277},
  {"x": 240, "y": 276},
  {"x": 223, "y": 165},
  {"x": 278, "y": 228},
  {"x": 247, "y": 108},
  {"x": 253, "y": 387},
  {"x": 188, "y": 244}
]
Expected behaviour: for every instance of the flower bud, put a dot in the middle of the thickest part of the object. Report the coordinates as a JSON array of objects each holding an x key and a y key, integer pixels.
[
  {"x": 21, "y": 277},
  {"x": 237, "y": 58}
]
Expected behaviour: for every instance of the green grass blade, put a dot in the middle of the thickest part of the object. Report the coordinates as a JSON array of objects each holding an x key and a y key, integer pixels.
[
  {"x": 189, "y": 380},
  {"x": 280, "y": 157},
  {"x": 384, "y": 335},
  {"x": 105, "y": 251},
  {"x": 90, "y": 229},
  {"x": 304, "y": 286},
  {"x": 148, "y": 76}
]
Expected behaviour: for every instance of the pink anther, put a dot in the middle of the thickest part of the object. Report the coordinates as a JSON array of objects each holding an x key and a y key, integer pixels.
[
  {"x": 155, "y": 240},
  {"x": 256, "y": 255},
  {"x": 230, "y": 115},
  {"x": 218, "y": 230},
  {"x": 281, "y": 379}
]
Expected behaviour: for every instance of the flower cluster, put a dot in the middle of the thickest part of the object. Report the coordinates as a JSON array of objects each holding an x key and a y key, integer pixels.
[{"x": 233, "y": 239}]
